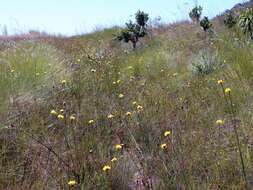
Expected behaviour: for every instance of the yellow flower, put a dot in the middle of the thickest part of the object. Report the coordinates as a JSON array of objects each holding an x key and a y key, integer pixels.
[
  {"x": 163, "y": 146},
  {"x": 227, "y": 91},
  {"x": 72, "y": 118},
  {"x": 121, "y": 95},
  {"x": 220, "y": 81},
  {"x": 72, "y": 183},
  {"x": 37, "y": 74},
  {"x": 118, "y": 146},
  {"x": 106, "y": 168},
  {"x": 63, "y": 81},
  {"x": 60, "y": 116},
  {"x": 53, "y": 112},
  {"x": 118, "y": 81},
  {"x": 110, "y": 116},
  {"x": 128, "y": 113},
  {"x": 61, "y": 110},
  {"x": 162, "y": 70},
  {"x": 114, "y": 82},
  {"x": 220, "y": 122},
  {"x": 134, "y": 103},
  {"x": 167, "y": 133},
  {"x": 139, "y": 108},
  {"x": 12, "y": 71},
  {"x": 175, "y": 74},
  {"x": 91, "y": 121},
  {"x": 93, "y": 70},
  {"x": 78, "y": 60},
  {"x": 130, "y": 67},
  {"x": 114, "y": 159}
]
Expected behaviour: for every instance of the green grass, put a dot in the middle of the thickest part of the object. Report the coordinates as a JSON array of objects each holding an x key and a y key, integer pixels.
[{"x": 40, "y": 151}]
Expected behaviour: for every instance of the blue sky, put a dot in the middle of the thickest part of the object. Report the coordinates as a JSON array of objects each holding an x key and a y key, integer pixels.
[{"x": 70, "y": 17}]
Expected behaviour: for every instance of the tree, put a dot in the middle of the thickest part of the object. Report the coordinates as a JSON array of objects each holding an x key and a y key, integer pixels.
[
  {"x": 195, "y": 13},
  {"x": 230, "y": 20},
  {"x": 134, "y": 31},
  {"x": 205, "y": 24},
  {"x": 246, "y": 22}
]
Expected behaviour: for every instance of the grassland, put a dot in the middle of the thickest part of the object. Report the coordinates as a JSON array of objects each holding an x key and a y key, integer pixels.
[{"x": 71, "y": 106}]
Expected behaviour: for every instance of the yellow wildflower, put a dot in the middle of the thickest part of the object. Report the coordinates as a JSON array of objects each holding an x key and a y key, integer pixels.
[
  {"x": 227, "y": 91},
  {"x": 139, "y": 108},
  {"x": 63, "y": 81},
  {"x": 106, "y": 168},
  {"x": 219, "y": 122},
  {"x": 91, "y": 121},
  {"x": 60, "y": 116},
  {"x": 37, "y": 74},
  {"x": 72, "y": 183},
  {"x": 167, "y": 133},
  {"x": 118, "y": 146},
  {"x": 134, "y": 103},
  {"x": 128, "y": 113},
  {"x": 12, "y": 71},
  {"x": 114, "y": 82},
  {"x": 93, "y": 70},
  {"x": 114, "y": 159},
  {"x": 53, "y": 112},
  {"x": 72, "y": 118},
  {"x": 220, "y": 81},
  {"x": 163, "y": 146},
  {"x": 110, "y": 116},
  {"x": 175, "y": 74},
  {"x": 78, "y": 60},
  {"x": 61, "y": 110},
  {"x": 121, "y": 95},
  {"x": 118, "y": 81}
]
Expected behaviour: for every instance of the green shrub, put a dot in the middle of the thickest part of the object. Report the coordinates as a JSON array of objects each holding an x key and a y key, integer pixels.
[
  {"x": 195, "y": 13},
  {"x": 134, "y": 31},
  {"x": 246, "y": 22},
  {"x": 230, "y": 20},
  {"x": 205, "y": 24},
  {"x": 205, "y": 63}
]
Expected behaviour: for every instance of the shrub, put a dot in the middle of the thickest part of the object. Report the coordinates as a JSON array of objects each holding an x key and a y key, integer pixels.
[
  {"x": 134, "y": 31},
  {"x": 205, "y": 24},
  {"x": 246, "y": 22},
  {"x": 195, "y": 13},
  {"x": 230, "y": 20},
  {"x": 205, "y": 63}
]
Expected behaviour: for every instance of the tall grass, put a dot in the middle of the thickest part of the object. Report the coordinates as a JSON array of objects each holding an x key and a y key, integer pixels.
[{"x": 129, "y": 99}]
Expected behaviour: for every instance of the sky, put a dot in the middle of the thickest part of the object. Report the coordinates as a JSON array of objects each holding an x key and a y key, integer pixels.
[{"x": 70, "y": 17}]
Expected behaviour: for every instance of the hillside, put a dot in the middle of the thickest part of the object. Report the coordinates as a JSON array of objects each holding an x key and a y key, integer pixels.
[{"x": 176, "y": 113}]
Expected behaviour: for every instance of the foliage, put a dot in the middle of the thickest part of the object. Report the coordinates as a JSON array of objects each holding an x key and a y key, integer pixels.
[
  {"x": 195, "y": 13},
  {"x": 206, "y": 63},
  {"x": 246, "y": 22},
  {"x": 230, "y": 20},
  {"x": 134, "y": 31},
  {"x": 205, "y": 24}
]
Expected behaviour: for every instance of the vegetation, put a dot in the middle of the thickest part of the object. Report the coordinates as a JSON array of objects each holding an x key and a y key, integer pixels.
[
  {"x": 205, "y": 24},
  {"x": 134, "y": 31},
  {"x": 246, "y": 22},
  {"x": 85, "y": 113},
  {"x": 195, "y": 13},
  {"x": 230, "y": 20}
]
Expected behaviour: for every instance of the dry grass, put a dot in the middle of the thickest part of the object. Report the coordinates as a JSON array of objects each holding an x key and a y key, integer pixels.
[{"x": 113, "y": 96}]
